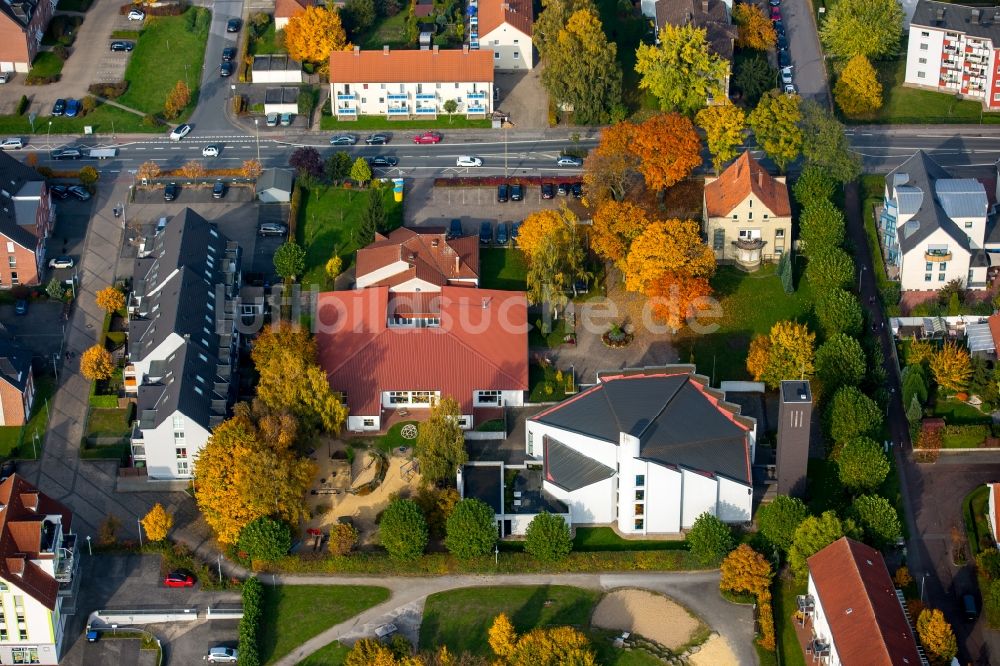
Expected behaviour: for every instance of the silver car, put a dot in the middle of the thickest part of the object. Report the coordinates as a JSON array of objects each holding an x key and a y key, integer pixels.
[
  {"x": 343, "y": 140},
  {"x": 569, "y": 161},
  {"x": 272, "y": 229}
]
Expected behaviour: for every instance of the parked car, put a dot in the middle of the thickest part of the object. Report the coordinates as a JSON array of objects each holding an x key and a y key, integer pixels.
[
  {"x": 569, "y": 161},
  {"x": 226, "y": 69},
  {"x": 272, "y": 229},
  {"x": 170, "y": 192},
  {"x": 563, "y": 189},
  {"x": 485, "y": 233},
  {"x": 454, "y": 229},
  {"x": 377, "y": 139},
  {"x": 80, "y": 192},
  {"x": 6, "y": 76},
  {"x": 271, "y": 120},
  {"x": 61, "y": 262},
  {"x": 790, "y": 89},
  {"x": 59, "y": 191},
  {"x": 548, "y": 190},
  {"x": 503, "y": 192},
  {"x": 517, "y": 192},
  {"x": 779, "y": 27},
  {"x": 783, "y": 59},
  {"x": 59, "y": 107},
  {"x": 285, "y": 119},
  {"x": 178, "y": 579},
  {"x": 136, "y": 15},
  {"x": 222, "y": 655},
  {"x": 233, "y": 25},
  {"x": 180, "y": 132},
  {"x": 502, "y": 236},
  {"x": 7, "y": 469},
  {"x": 383, "y": 161},
  {"x": 228, "y": 53},
  {"x": 12, "y": 143},
  {"x": 782, "y": 43},
  {"x": 775, "y": 13},
  {"x": 428, "y": 137},
  {"x": 577, "y": 189},
  {"x": 72, "y": 108},
  {"x": 211, "y": 150},
  {"x": 21, "y": 306},
  {"x": 343, "y": 140},
  {"x": 218, "y": 190},
  {"x": 969, "y": 607},
  {"x": 66, "y": 154},
  {"x": 515, "y": 231},
  {"x": 468, "y": 161},
  {"x": 122, "y": 46}
]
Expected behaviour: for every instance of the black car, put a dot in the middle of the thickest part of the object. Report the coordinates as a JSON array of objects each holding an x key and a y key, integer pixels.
[
  {"x": 563, "y": 189},
  {"x": 226, "y": 69},
  {"x": 782, "y": 43},
  {"x": 228, "y": 53},
  {"x": 516, "y": 192},
  {"x": 233, "y": 25},
  {"x": 783, "y": 59},
  {"x": 218, "y": 190},
  {"x": 59, "y": 191},
  {"x": 502, "y": 192},
  {"x": 577, "y": 190},
  {"x": 59, "y": 107},
  {"x": 548, "y": 190},
  {"x": 79, "y": 192},
  {"x": 502, "y": 233},
  {"x": 383, "y": 161},
  {"x": 377, "y": 139},
  {"x": 485, "y": 233},
  {"x": 454, "y": 229},
  {"x": 779, "y": 27},
  {"x": 170, "y": 192},
  {"x": 122, "y": 46},
  {"x": 67, "y": 154}
]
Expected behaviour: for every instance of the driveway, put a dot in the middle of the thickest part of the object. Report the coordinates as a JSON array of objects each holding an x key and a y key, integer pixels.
[
  {"x": 805, "y": 51},
  {"x": 90, "y": 49},
  {"x": 523, "y": 98},
  {"x": 427, "y": 205},
  {"x": 211, "y": 112}
]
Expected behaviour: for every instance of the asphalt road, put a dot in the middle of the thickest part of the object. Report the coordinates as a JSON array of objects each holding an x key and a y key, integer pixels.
[{"x": 215, "y": 90}]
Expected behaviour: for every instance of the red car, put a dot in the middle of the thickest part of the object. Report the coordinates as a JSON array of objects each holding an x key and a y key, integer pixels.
[
  {"x": 775, "y": 14},
  {"x": 428, "y": 137},
  {"x": 178, "y": 579}
]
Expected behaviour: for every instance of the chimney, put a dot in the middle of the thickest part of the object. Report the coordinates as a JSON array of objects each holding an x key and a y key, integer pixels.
[
  {"x": 794, "y": 428},
  {"x": 385, "y": 49},
  {"x": 458, "y": 264},
  {"x": 760, "y": 179},
  {"x": 435, "y": 49},
  {"x": 357, "y": 51}
]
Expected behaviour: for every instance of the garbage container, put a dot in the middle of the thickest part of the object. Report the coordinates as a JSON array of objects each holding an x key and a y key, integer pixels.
[
  {"x": 397, "y": 189},
  {"x": 92, "y": 636}
]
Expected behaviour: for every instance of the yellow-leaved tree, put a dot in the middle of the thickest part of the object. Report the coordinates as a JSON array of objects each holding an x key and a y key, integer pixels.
[
  {"x": 951, "y": 367},
  {"x": 724, "y": 125},
  {"x": 611, "y": 167},
  {"x": 553, "y": 244},
  {"x": 157, "y": 523},
  {"x": 672, "y": 246},
  {"x": 936, "y": 636},
  {"x": 745, "y": 570},
  {"x": 251, "y": 169},
  {"x": 148, "y": 170},
  {"x": 177, "y": 99},
  {"x": 754, "y": 28},
  {"x": 503, "y": 638},
  {"x": 675, "y": 297},
  {"x": 669, "y": 149},
  {"x": 96, "y": 363},
  {"x": 858, "y": 91},
  {"x": 786, "y": 353},
  {"x": 919, "y": 351},
  {"x": 615, "y": 225},
  {"x": 314, "y": 34},
  {"x": 110, "y": 299}
]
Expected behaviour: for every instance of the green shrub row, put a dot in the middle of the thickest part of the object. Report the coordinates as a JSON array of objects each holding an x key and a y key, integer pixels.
[{"x": 253, "y": 608}]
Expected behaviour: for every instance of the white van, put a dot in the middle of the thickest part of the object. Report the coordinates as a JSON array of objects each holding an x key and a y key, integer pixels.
[{"x": 13, "y": 143}]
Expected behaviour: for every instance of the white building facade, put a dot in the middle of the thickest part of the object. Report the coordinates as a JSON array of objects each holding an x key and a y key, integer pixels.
[{"x": 504, "y": 27}]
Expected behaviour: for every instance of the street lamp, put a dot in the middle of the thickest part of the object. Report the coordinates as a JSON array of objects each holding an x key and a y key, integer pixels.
[
  {"x": 861, "y": 275},
  {"x": 90, "y": 549},
  {"x": 256, "y": 127},
  {"x": 48, "y": 135},
  {"x": 138, "y": 522}
]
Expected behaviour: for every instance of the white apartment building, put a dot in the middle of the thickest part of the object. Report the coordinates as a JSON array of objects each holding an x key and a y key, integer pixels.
[
  {"x": 933, "y": 227},
  {"x": 183, "y": 342},
  {"x": 954, "y": 49},
  {"x": 411, "y": 84},
  {"x": 38, "y": 568},
  {"x": 504, "y": 27}
]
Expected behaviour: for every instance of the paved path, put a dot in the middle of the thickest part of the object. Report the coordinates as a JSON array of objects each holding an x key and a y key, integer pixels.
[
  {"x": 805, "y": 50},
  {"x": 696, "y": 590},
  {"x": 89, "y": 49}
]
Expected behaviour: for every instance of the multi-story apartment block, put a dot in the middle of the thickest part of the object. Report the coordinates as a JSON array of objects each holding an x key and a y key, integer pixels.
[
  {"x": 504, "y": 26},
  {"x": 182, "y": 342},
  {"x": 22, "y": 24},
  {"x": 38, "y": 567},
  {"x": 933, "y": 227},
  {"x": 26, "y": 220},
  {"x": 954, "y": 49},
  {"x": 411, "y": 84}
]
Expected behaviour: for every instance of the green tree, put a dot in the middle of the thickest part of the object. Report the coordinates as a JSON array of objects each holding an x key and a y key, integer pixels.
[
  {"x": 814, "y": 185},
  {"x": 871, "y": 28},
  {"x": 403, "y": 530},
  {"x": 710, "y": 539},
  {"x": 838, "y": 311},
  {"x": 753, "y": 77},
  {"x": 338, "y": 166},
  {"x": 724, "y": 125},
  {"x": 440, "y": 442},
  {"x": 779, "y": 519},
  {"x": 830, "y": 268},
  {"x": 879, "y": 520},
  {"x": 289, "y": 261},
  {"x": 471, "y": 529},
  {"x": 861, "y": 465},
  {"x": 822, "y": 227},
  {"x": 914, "y": 383},
  {"x": 547, "y": 538},
  {"x": 582, "y": 70},
  {"x": 357, "y": 16},
  {"x": 840, "y": 361},
  {"x": 775, "y": 123},
  {"x": 265, "y": 539},
  {"x": 825, "y": 145},
  {"x": 88, "y": 176},
  {"x": 551, "y": 21},
  {"x": 786, "y": 272},
  {"x": 683, "y": 72},
  {"x": 373, "y": 219},
  {"x": 852, "y": 414},
  {"x": 54, "y": 289},
  {"x": 361, "y": 173},
  {"x": 450, "y": 107},
  {"x": 813, "y": 535}
]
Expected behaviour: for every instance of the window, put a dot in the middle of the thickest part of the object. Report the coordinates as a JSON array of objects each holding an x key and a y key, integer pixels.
[
  {"x": 491, "y": 397},
  {"x": 364, "y": 86},
  {"x": 765, "y": 216},
  {"x": 927, "y": 277},
  {"x": 968, "y": 224},
  {"x": 182, "y": 467},
  {"x": 381, "y": 86},
  {"x": 178, "y": 421},
  {"x": 3, "y": 626},
  {"x": 13, "y": 279},
  {"x": 924, "y": 33},
  {"x": 996, "y": 96},
  {"x": 750, "y": 215},
  {"x": 10, "y": 248},
  {"x": 515, "y": 41},
  {"x": 943, "y": 266},
  {"x": 531, "y": 443},
  {"x": 922, "y": 61},
  {"x": 381, "y": 100},
  {"x": 640, "y": 524},
  {"x": 735, "y": 216},
  {"x": 456, "y": 86},
  {"x": 368, "y": 423},
  {"x": 181, "y": 451},
  {"x": 640, "y": 495},
  {"x": 19, "y": 604},
  {"x": 640, "y": 509},
  {"x": 517, "y": 55},
  {"x": 923, "y": 47},
  {"x": 779, "y": 233},
  {"x": 941, "y": 277},
  {"x": 24, "y": 655},
  {"x": 399, "y": 398},
  {"x": 12, "y": 261},
  {"x": 929, "y": 266},
  {"x": 719, "y": 240},
  {"x": 3, "y": 588},
  {"x": 920, "y": 75},
  {"x": 178, "y": 436},
  {"x": 496, "y": 55},
  {"x": 640, "y": 480}
]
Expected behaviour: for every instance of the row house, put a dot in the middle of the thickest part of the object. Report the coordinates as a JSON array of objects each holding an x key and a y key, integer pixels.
[
  {"x": 411, "y": 84},
  {"x": 954, "y": 49},
  {"x": 17, "y": 384},
  {"x": 26, "y": 220},
  {"x": 22, "y": 25}
]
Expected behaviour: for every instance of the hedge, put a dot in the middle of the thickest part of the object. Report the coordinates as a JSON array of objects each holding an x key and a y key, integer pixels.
[
  {"x": 294, "y": 203},
  {"x": 163, "y": 10},
  {"x": 22, "y": 105},
  {"x": 490, "y": 181},
  {"x": 108, "y": 90},
  {"x": 253, "y": 607}
]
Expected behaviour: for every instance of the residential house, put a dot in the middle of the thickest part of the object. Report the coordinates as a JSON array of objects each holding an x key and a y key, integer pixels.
[
  {"x": 748, "y": 217},
  {"x": 504, "y": 26},
  {"x": 933, "y": 226},
  {"x": 647, "y": 449},
  {"x": 26, "y": 220},
  {"x": 17, "y": 384},
  {"x": 22, "y": 24},
  {"x": 411, "y": 84},
  {"x": 855, "y": 612},
  {"x": 954, "y": 49},
  {"x": 418, "y": 260},
  {"x": 712, "y": 16},
  {"x": 994, "y": 507},
  {"x": 38, "y": 567},
  {"x": 275, "y": 185},
  {"x": 182, "y": 342},
  {"x": 286, "y": 9}
]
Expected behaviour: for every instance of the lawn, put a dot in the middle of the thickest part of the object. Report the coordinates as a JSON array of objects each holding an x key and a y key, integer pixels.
[
  {"x": 461, "y": 618},
  {"x": 968, "y": 437},
  {"x": 457, "y": 121},
  {"x": 393, "y": 439},
  {"x": 14, "y": 443},
  {"x": 605, "y": 538},
  {"x": 329, "y": 221},
  {"x": 975, "y": 510},
  {"x": 265, "y": 43},
  {"x": 171, "y": 49},
  {"x": 46, "y": 64},
  {"x": 331, "y": 655},
  {"x": 784, "y": 606},
  {"x": 956, "y": 412},
  {"x": 545, "y": 384},
  {"x": 296, "y": 613},
  {"x": 553, "y": 339},
  {"x": 505, "y": 269},
  {"x": 750, "y": 304},
  {"x": 389, "y": 32}
]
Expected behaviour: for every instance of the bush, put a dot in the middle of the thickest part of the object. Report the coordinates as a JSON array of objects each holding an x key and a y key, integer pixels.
[
  {"x": 710, "y": 539},
  {"x": 39, "y": 80},
  {"x": 403, "y": 530},
  {"x": 779, "y": 519},
  {"x": 22, "y": 105},
  {"x": 253, "y": 610},
  {"x": 265, "y": 539},
  {"x": 988, "y": 563},
  {"x": 60, "y": 52},
  {"x": 471, "y": 529},
  {"x": 108, "y": 90},
  {"x": 547, "y": 538},
  {"x": 991, "y": 604},
  {"x": 342, "y": 539},
  {"x": 149, "y": 120},
  {"x": 294, "y": 203}
]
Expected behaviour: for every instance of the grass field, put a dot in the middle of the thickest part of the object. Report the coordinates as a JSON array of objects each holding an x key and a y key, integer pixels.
[
  {"x": 505, "y": 269},
  {"x": 296, "y": 613},
  {"x": 46, "y": 63},
  {"x": 389, "y": 32},
  {"x": 266, "y": 43},
  {"x": 171, "y": 49},
  {"x": 750, "y": 303},
  {"x": 975, "y": 510},
  {"x": 604, "y": 538},
  {"x": 363, "y": 123},
  {"x": 956, "y": 412},
  {"x": 331, "y": 655},
  {"x": 329, "y": 221},
  {"x": 108, "y": 422},
  {"x": 784, "y": 606}
]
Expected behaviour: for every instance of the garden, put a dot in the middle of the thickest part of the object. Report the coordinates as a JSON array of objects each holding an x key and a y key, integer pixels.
[
  {"x": 108, "y": 421},
  {"x": 502, "y": 268},
  {"x": 25, "y": 441}
]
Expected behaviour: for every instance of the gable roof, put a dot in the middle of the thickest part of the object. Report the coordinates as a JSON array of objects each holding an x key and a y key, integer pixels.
[
  {"x": 859, "y": 600},
  {"x": 433, "y": 66},
  {"x": 15, "y": 364},
  {"x": 678, "y": 420},
  {"x": 959, "y": 18},
  {"x": 569, "y": 469},
  {"x": 290, "y": 8},
  {"x": 742, "y": 178},
  {"x": 275, "y": 178},
  {"x": 19, "y": 11},
  {"x": 482, "y": 344},
  {"x": 515, "y": 13},
  {"x": 719, "y": 31},
  {"x": 17, "y": 221},
  {"x": 26, "y": 536},
  {"x": 428, "y": 251}
]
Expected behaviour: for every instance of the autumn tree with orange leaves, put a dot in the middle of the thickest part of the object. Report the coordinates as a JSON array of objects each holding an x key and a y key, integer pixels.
[
  {"x": 672, "y": 246},
  {"x": 615, "y": 225},
  {"x": 314, "y": 34},
  {"x": 611, "y": 167},
  {"x": 675, "y": 297},
  {"x": 669, "y": 148}
]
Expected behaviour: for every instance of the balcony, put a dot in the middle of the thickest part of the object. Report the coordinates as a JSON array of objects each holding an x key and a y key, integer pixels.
[
  {"x": 65, "y": 559},
  {"x": 347, "y": 111},
  {"x": 476, "y": 95},
  {"x": 399, "y": 111},
  {"x": 427, "y": 110},
  {"x": 475, "y": 109},
  {"x": 397, "y": 97},
  {"x": 426, "y": 96},
  {"x": 937, "y": 255},
  {"x": 345, "y": 97}
]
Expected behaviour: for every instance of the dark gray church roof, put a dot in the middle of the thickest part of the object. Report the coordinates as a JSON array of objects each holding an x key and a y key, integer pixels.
[{"x": 569, "y": 469}]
